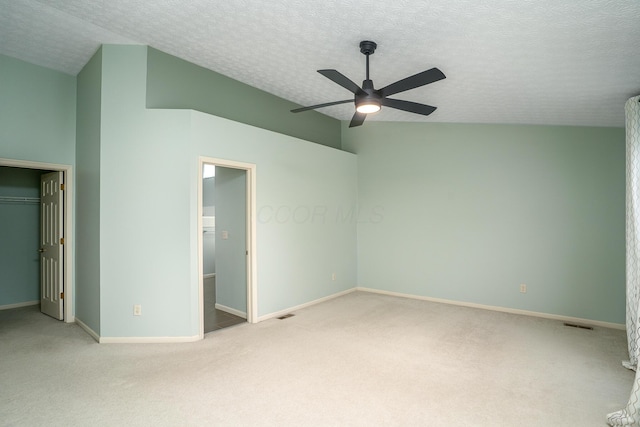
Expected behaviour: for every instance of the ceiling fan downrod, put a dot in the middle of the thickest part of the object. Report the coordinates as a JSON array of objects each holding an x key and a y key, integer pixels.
[{"x": 368, "y": 48}]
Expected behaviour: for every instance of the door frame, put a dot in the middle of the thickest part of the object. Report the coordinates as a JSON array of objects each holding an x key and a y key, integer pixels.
[
  {"x": 251, "y": 264},
  {"x": 67, "y": 277}
]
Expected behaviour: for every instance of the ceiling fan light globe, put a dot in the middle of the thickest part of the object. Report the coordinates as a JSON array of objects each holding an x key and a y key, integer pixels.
[{"x": 368, "y": 108}]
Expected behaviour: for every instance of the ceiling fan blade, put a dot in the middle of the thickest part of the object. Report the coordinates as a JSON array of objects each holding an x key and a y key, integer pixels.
[
  {"x": 412, "y": 82},
  {"x": 357, "y": 119},
  {"x": 342, "y": 80},
  {"x": 326, "y": 104},
  {"x": 412, "y": 107}
]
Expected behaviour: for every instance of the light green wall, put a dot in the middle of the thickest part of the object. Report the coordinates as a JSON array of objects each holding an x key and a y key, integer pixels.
[
  {"x": 461, "y": 212},
  {"x": 145, "y": 206},
  {"x": 469, "y": 212},
  {"x": 148, "y": 223},
  {"x": 208, "y": 237},
  {"x": 37, "y": 113},
  {"x": 175, "y": 83},
  {"x": 87, "y": 220},
  {"x": 231, "y": 218},
  {"x": 303, "y": 189},
  {"x": 19, "y": 236},
  {"x": 209, "y": 196}
]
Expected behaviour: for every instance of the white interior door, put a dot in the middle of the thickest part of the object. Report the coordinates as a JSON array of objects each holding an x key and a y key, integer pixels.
[{"x": 51, "y": 241}]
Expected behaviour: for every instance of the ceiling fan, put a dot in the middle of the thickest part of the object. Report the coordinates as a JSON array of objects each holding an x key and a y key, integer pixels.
[{"x": 370, "y": 100}]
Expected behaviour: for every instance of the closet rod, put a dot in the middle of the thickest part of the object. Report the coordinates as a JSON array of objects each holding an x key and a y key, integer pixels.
[{"x": 21, "y": 200}]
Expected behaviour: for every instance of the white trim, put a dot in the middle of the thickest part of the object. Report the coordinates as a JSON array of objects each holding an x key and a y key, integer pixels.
[
  {"x": 599, "y": 323},
  {"x": 69, "y": 286},
  {"x": 27, "y": 164},
  {"x": 88, "y": 330},
  {"x": 200, "y": 243},
  {"x": 209, "y": 276},
  {"x": 305, "y": 305},
  {"x": 231, "y": 310},
  {"x": 18, "y": 305},
  {"x": 148, "y": 340},
  {"x": 252, "y": 263},
  {"x": 134, "y": 340}
]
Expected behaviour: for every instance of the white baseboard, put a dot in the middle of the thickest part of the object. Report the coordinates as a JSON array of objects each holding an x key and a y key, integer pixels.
[
  {"x": 135, "y": 340},
  {"x": 599, "y": 323},
  {"x": 87, "y": 329},
  {"x": 231, "y": 310},
  {"x": 148, "y": 340},
  {"x": 18, "y": 305},
  {"x": 306, "y": 304}
]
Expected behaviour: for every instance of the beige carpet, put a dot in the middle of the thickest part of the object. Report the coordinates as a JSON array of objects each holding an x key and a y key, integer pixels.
[{"x": 358, "y": 360}]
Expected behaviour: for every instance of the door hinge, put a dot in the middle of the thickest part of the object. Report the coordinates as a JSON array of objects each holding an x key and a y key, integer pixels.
[
  {"x": 62, "y": 240},
  {"x": 62, "y": 187},
  {"x": 61, "y": 295}
]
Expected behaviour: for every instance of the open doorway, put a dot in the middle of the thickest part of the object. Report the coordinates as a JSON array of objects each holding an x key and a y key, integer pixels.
[
  {"x": 226, "y": 231},
  {"x": 20, "y": 193}
]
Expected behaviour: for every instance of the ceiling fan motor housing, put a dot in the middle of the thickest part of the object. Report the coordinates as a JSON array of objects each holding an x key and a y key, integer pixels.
[{"x": 368, "y": 95}]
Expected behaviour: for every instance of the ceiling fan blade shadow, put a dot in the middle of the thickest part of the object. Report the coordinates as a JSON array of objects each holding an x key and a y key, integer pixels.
[
  {"x": 357, "y": 119},
  {"x": 412, "y": 82},
  {"x": 326, "y": 104},
  {"x": 412, "y": 107},
  {"x": 342, "y": 80}
]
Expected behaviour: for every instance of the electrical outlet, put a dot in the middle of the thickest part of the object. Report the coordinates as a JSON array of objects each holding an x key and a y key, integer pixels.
[
  {"x": 137, "y": 310},
  {"x": 523, "y": 288},
  {"x": 333, "y": 277}
]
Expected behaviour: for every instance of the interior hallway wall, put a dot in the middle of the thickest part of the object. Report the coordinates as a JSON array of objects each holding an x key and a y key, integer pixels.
[
  {"x": 297, "y": 252},
  {"x": 144, "y": 239},
  {"x": 231, "y": 238},
  {"x": 305, "y": 192},
  {"x": 208, "y": 237}
]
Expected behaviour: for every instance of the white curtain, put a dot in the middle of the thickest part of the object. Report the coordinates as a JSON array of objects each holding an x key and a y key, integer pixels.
[{"x": 630, "y": 415}]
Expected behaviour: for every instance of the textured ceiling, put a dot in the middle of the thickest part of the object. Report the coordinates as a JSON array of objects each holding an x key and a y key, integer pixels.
[{"x": 566, "y": 62}]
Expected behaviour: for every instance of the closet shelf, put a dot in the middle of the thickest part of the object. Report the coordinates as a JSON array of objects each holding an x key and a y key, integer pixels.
[{"x": 19, "y": 200}]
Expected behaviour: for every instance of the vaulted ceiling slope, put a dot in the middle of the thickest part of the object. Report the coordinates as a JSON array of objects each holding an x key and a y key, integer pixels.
[{"x": 563, "y": 62}]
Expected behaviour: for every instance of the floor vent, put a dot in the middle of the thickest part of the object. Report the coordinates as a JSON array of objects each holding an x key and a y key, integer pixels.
[
  {"x": 574, "y": 325},
  {"x": 286, "y": 316}
]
